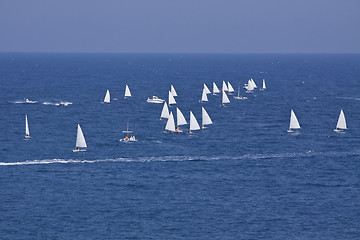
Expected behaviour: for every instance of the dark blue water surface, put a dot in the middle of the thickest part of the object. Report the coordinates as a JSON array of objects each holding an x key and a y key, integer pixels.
[{"x": 244, "y": 177}]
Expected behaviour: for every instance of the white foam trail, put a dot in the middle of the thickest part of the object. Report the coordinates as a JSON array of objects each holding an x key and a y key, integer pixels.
[
  {"x": 22, "y": 101},
  {"x": 307, "y": 154},
  {"x": 349, "y": 98},
  {"x": 57, "y": 103}
]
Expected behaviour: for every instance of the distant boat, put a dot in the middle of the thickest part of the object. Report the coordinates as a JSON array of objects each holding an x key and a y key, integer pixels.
[
  {"x": 80, "y": 141},
  {"x": 294, "y": 123},
  {"x": 224, "y": 99},
  {"x": 180, "y": 120},
  {"x": 107, "y": 97},
  {"x": 206, "y": 89},
  {"x": 230, "y": 88},
  {"x": 171, "y": 99},
  {"x": 250, "y": 86},
  {"x": 172, "y": 89},
  {"x": 27, "y": 132},
  {"x": 127, "y": 91},
  {"x": 238, "y": 95},
  {"x": 129, "y": 137},
  {"x": 194, "y": 125},
  {"x": 206, "y": 120},
  {"x": 155, "y": 99},
  {"x": 215, "y": 89},
  {"x": 204, "y": 97},
  {"x": 170, "y": 124},
  {"x": 341, "y": 123},
  {"x": 263, "y": 85},
  {"x": 224, "y": 87},
  {"x": 165, "y": 111}
]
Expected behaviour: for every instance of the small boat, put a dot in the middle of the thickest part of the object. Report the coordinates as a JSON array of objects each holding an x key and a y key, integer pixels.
[
  {"x": 127, "y": 91},
  {"x": 206, "y": 120},
  {"x": 107, "y": 97},
  {"x": 206, "y": 89},
  {"x": 80, "y": 141},
  {"x": 194, "y": 125},
  {"x": 238, "y": 95},
  {"x": 341, "y": 123},
  {"x": 180, "y": 120},
  {"x": 250, "y": 86},
  {"x": 215, "y": 89},
  {"x": 155, "y": 99},
  {"x": 294, "y": 123},
  {"x": 230, "y": 88},
  {"x": 29, "y": 101},
  {"x": 171, "y": 99},
  {"x": 253, "y": 82},
  {"x": 27, "y": 132},
  {"x": 172, "y": 89},
  {"x": 170, "y": 124},
  {"x": 204, "y": 97},
  {"x": 224, "y": 99},
  {"x": 224, "y": 87},
  {"x": 263, "y": 86},
  {"x": 129, "y": 137},
  {"x": 165, "y": 112}
]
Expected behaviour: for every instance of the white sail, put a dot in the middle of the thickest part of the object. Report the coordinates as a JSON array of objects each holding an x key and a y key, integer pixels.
[
  {"x": 206, "y": 120},
  {"x": 127, "y": 91},
  {"x": 204, "y": 97},
  {"x": 180, "y": 119},
  {"x": 171, "y": 99},
  {"x": 165, "y": 111},
  {"x": 230, "y": 88},
  {"x": 170, "y": 124},
  {"x": 225, "y": 98},
  {"x": 264, "y": 86},
  {"x": 172, "y": 89},
  {"x": 224, "y": 87},
  {"x": 341, "y": 124},
  {"x": 253, "y": 82},
  {"x": 27, "y": 132},
  {"x": 294, "y": 123},
  {"x": 250, "y": 85},
  {"x": 215, "y": 89},
  {"x": 194, "y": 125},
  {"x": 80, "y": 139},
  {"x": 206, "y": 89},
  {"x": 107, "y": 97}
]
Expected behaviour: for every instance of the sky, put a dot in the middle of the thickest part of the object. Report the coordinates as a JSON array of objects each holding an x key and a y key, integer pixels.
[{"x": 180, "y": 26}]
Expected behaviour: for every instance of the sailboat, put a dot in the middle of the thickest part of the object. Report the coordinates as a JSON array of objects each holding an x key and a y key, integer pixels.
[
  {"x": 263, "y": 86},
  {"x": 171, "y": 99},
  {"x": 238, "y": 95},
  {"x": 294, "y": 123},
  {"x": 215, "y": 89},
  {"x": 172, "y": 89},
  {"x": 165, "y": 112},
  {"x": 341, "y": 123},
  {"x": 127, "y": 91},
  {"x": 194, "y": 125},
  {"x": 80, "y": 141},
  {"x": 27, "y": 132},
  {"x": 250, "y": 86},
  {"x": 107, "y": 97},
  {"x": 253, "y": 82},
  {"x": 170, "y": 124},
  {"x": 206, "y": 120},
  {"x": 224, "y": 99},
  {"x": 129, "y": 137},
  {"x": 204, "y": 97},
  {"x": 206, "y": 89},
  {"x": 230, "y": 88},
  {"x": 224, "y": 87},
  {"x": 180, "y": 120}
]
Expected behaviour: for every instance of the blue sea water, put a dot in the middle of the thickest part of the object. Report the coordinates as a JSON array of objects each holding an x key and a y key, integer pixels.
[{"x": 244, "y": 177}]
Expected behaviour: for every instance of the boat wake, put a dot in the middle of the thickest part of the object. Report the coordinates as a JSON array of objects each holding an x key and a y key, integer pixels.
[
  {"x": 349, "y": 98},
  {"x": 307, "y": 154},
  {"x": 22, "y": 101},
  {"x": 57, "y": 103}
]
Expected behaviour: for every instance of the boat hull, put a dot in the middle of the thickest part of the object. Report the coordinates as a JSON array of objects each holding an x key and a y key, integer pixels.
[{"x": 79, "y": 150}]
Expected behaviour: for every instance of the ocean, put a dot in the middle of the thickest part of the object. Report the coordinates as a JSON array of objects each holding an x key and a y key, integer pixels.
[{"x": 244, "y": 177}]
